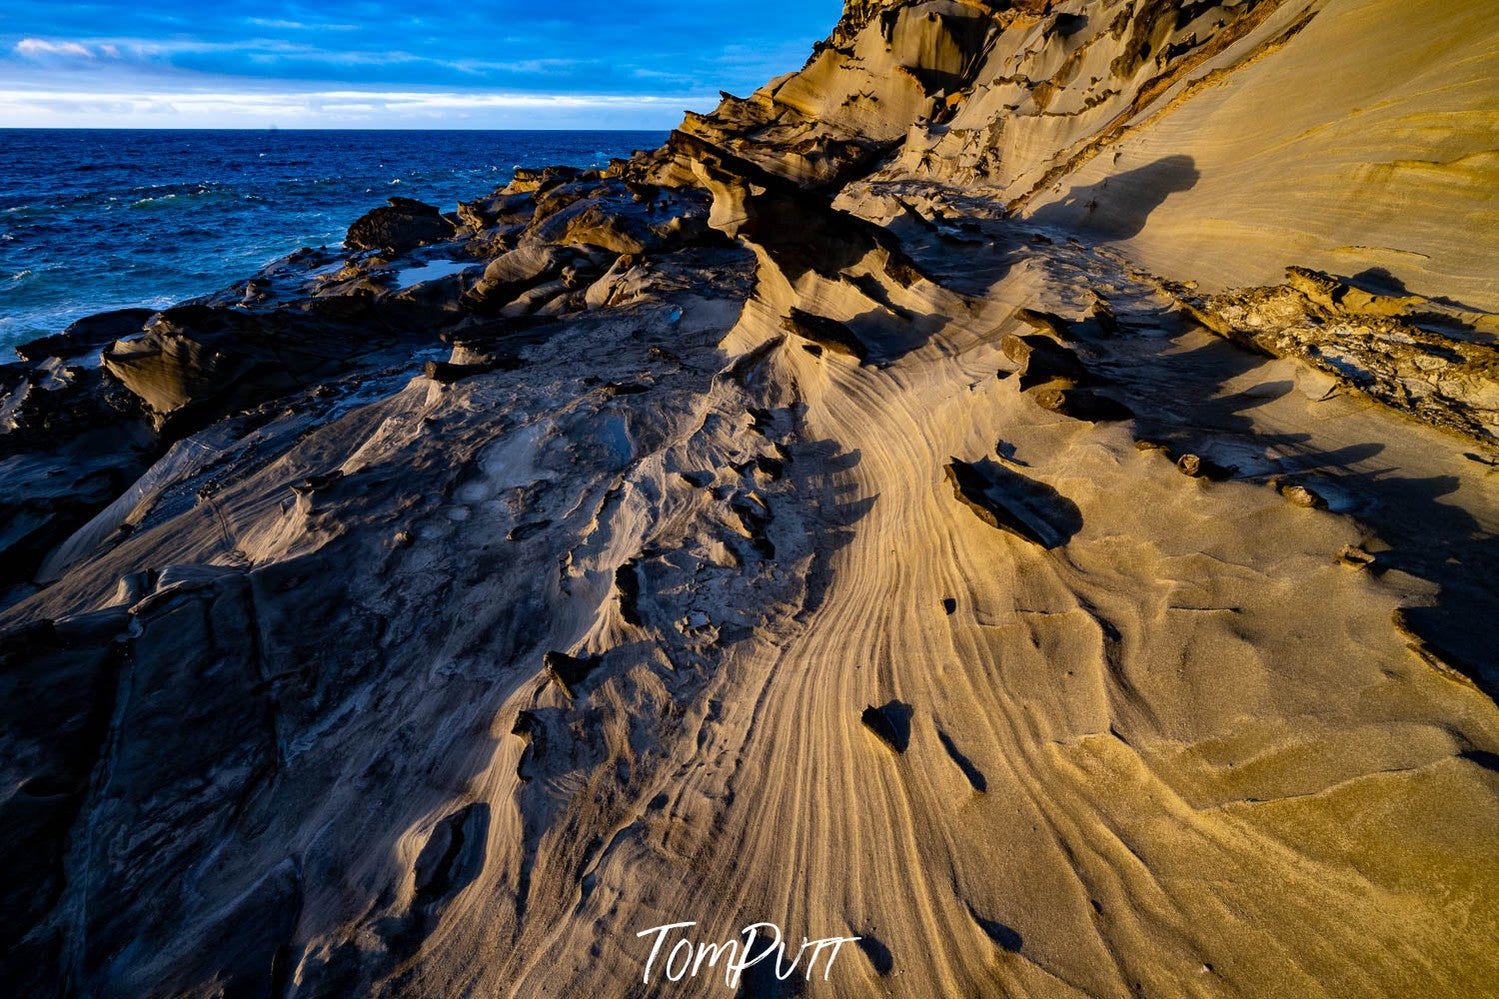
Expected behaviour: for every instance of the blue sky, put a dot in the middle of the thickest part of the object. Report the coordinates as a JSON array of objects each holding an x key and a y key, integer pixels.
[{"x": 365, "y": 64}]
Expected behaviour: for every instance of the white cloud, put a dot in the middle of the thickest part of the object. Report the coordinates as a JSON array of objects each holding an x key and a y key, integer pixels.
[
  {"x": 239, "y": 108},
  {"x": 40, "y": 48},
  {"x": 270, "y": 22}
]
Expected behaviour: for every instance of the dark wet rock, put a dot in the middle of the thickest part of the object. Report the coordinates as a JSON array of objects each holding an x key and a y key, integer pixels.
[
  {"x": 568, "y": 672},
  {"x": 57, "y": 693},
  {"x": 1011, "y": 502},
  {"x": 167, "y": 706},
  {"x": 245, "y": 946},
  {"x": 401, "y": 225},
  {"x": 453, "y": 855},
  {"x": 70, "y": 441},
  {"x": 627, "y": 586},
  {"x": 890, "y": 723}
]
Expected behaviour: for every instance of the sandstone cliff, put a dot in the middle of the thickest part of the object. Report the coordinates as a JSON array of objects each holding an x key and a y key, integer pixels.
[{"x": 914, "y": 503}]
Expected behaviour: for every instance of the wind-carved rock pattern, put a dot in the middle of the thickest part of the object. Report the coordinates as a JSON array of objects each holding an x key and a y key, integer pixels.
[{"x": 850, "y": 514}]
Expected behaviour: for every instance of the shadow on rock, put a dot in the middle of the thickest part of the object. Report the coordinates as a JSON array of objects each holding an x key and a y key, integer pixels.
[
  {"x": 1120, "y": 206},
  {"x": 1025, "y": 507}
]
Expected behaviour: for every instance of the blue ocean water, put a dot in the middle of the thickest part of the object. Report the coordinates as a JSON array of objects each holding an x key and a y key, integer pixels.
[{"x": 92, "y": 220}]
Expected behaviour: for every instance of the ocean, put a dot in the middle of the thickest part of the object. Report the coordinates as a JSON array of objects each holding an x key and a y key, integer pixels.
[{"x": 92, "y": 220}]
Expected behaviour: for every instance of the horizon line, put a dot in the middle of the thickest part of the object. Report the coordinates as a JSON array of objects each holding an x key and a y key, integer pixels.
[{"x": 298, "y": 128}]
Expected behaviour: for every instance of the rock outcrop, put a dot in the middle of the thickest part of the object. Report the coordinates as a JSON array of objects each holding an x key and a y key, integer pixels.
[
  {"x": 1203, "y": 600},
  {"x": 401, "y": 225}
]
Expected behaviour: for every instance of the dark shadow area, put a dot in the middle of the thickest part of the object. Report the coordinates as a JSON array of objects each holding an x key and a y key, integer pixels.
[
  {"x": 1180, "y": 405},
  {"x": 1005, "y": 936},
  {"x": 879, "y": 955},
  {"x": 760, "y": 981},
  {"x": 972, "y": 773},
  {"x": 1119, "y": 206},
  {"x": 1379, "y": 281},
  {"x": 816, "y": 472},
  {"x": 1489, "y": 761},
  {"x": 891, "y": 724}
]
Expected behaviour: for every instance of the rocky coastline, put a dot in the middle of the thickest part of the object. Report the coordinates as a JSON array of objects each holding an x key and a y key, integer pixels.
[{"x": 426, "y": 616}]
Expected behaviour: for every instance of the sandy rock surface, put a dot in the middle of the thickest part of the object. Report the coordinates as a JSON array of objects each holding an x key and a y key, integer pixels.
[{"x": 914, "y": 504}]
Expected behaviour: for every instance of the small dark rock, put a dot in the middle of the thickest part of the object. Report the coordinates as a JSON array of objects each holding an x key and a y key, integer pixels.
[
  {"x": 1199, "y": 467},
  {"x": 828, "y": 334},
  {"x": 1081, "y": 404},
  {"x": 891, "y": 724},
  {"x": 445, "y": 373},
  {"x": 1011, "y": 502}
]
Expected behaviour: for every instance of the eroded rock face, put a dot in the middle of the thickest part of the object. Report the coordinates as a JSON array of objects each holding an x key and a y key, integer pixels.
[
  {"x": 289, "y": 715},
  {"x": 71, "y": 438},
  {"x": 1371, "y": 343},
  {"x": 200, "y": 361},
  {"x": 86, "y": 335}
]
